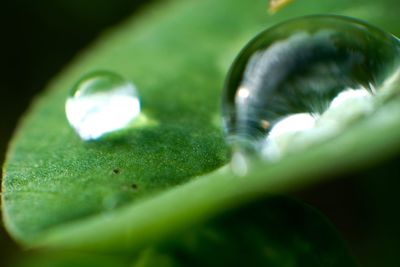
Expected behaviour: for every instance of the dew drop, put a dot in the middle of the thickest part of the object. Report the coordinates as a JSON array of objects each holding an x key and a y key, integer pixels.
[
  {"x": 101, "y": 102},
  {"x": 304, "y": 81}
]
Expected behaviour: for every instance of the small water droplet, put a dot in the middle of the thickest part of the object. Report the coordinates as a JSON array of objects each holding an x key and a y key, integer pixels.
[
  {"x": 101, "y": 102},
  {"x": 305, "y": 80}
]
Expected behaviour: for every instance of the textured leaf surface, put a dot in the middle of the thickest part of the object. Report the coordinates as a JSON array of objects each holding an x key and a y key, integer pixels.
[{"x": 154, "y": 179}]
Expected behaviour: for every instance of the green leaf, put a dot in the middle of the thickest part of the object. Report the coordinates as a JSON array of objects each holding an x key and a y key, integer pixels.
[
  {"x": 277, "y": 232},
  {"x": 61, "y": 192},
  {"x": 68, "y": 259}
]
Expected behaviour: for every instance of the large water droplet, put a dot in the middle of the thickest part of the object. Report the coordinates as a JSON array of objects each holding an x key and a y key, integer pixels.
[
  {"x": 311, "y": 75},
  {"x": 101, "y": 102}
]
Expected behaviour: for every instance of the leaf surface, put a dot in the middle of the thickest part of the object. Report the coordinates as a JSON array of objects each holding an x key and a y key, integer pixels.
[{"x": 164, "y": 175}]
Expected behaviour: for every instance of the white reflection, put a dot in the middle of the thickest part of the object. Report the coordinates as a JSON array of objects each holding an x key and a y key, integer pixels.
[
  {"x": 388, "y": 86},
  {"x": 95, "y": 115},
  {"x": 239, "y": 164},
  {"x": 299, "y": 131},
  {"x": 242, "y": 93},
  {"x": 349, "y": 95},
  {"x": 294, "y": 123},
  {"x": 280, "y": 135}
]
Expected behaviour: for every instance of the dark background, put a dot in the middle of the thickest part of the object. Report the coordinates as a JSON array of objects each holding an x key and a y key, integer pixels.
[{"x": 38, "y": 38}]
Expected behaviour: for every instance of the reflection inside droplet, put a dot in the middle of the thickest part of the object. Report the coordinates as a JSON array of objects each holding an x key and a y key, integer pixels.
[
  {"x": 304, "y": 81},
  {"x": 100, "y": 103}
]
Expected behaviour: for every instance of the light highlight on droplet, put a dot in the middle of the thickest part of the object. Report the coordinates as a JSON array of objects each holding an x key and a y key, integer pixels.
[{"x": 101, "y": 102}]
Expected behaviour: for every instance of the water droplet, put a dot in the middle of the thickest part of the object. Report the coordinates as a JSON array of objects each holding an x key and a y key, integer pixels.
[
  {"x": 303, "y": 81},
  {"x": 101, "y": 102}
]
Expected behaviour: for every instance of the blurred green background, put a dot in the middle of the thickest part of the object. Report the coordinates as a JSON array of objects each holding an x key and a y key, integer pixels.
[{"x": 38, "y": 39}]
